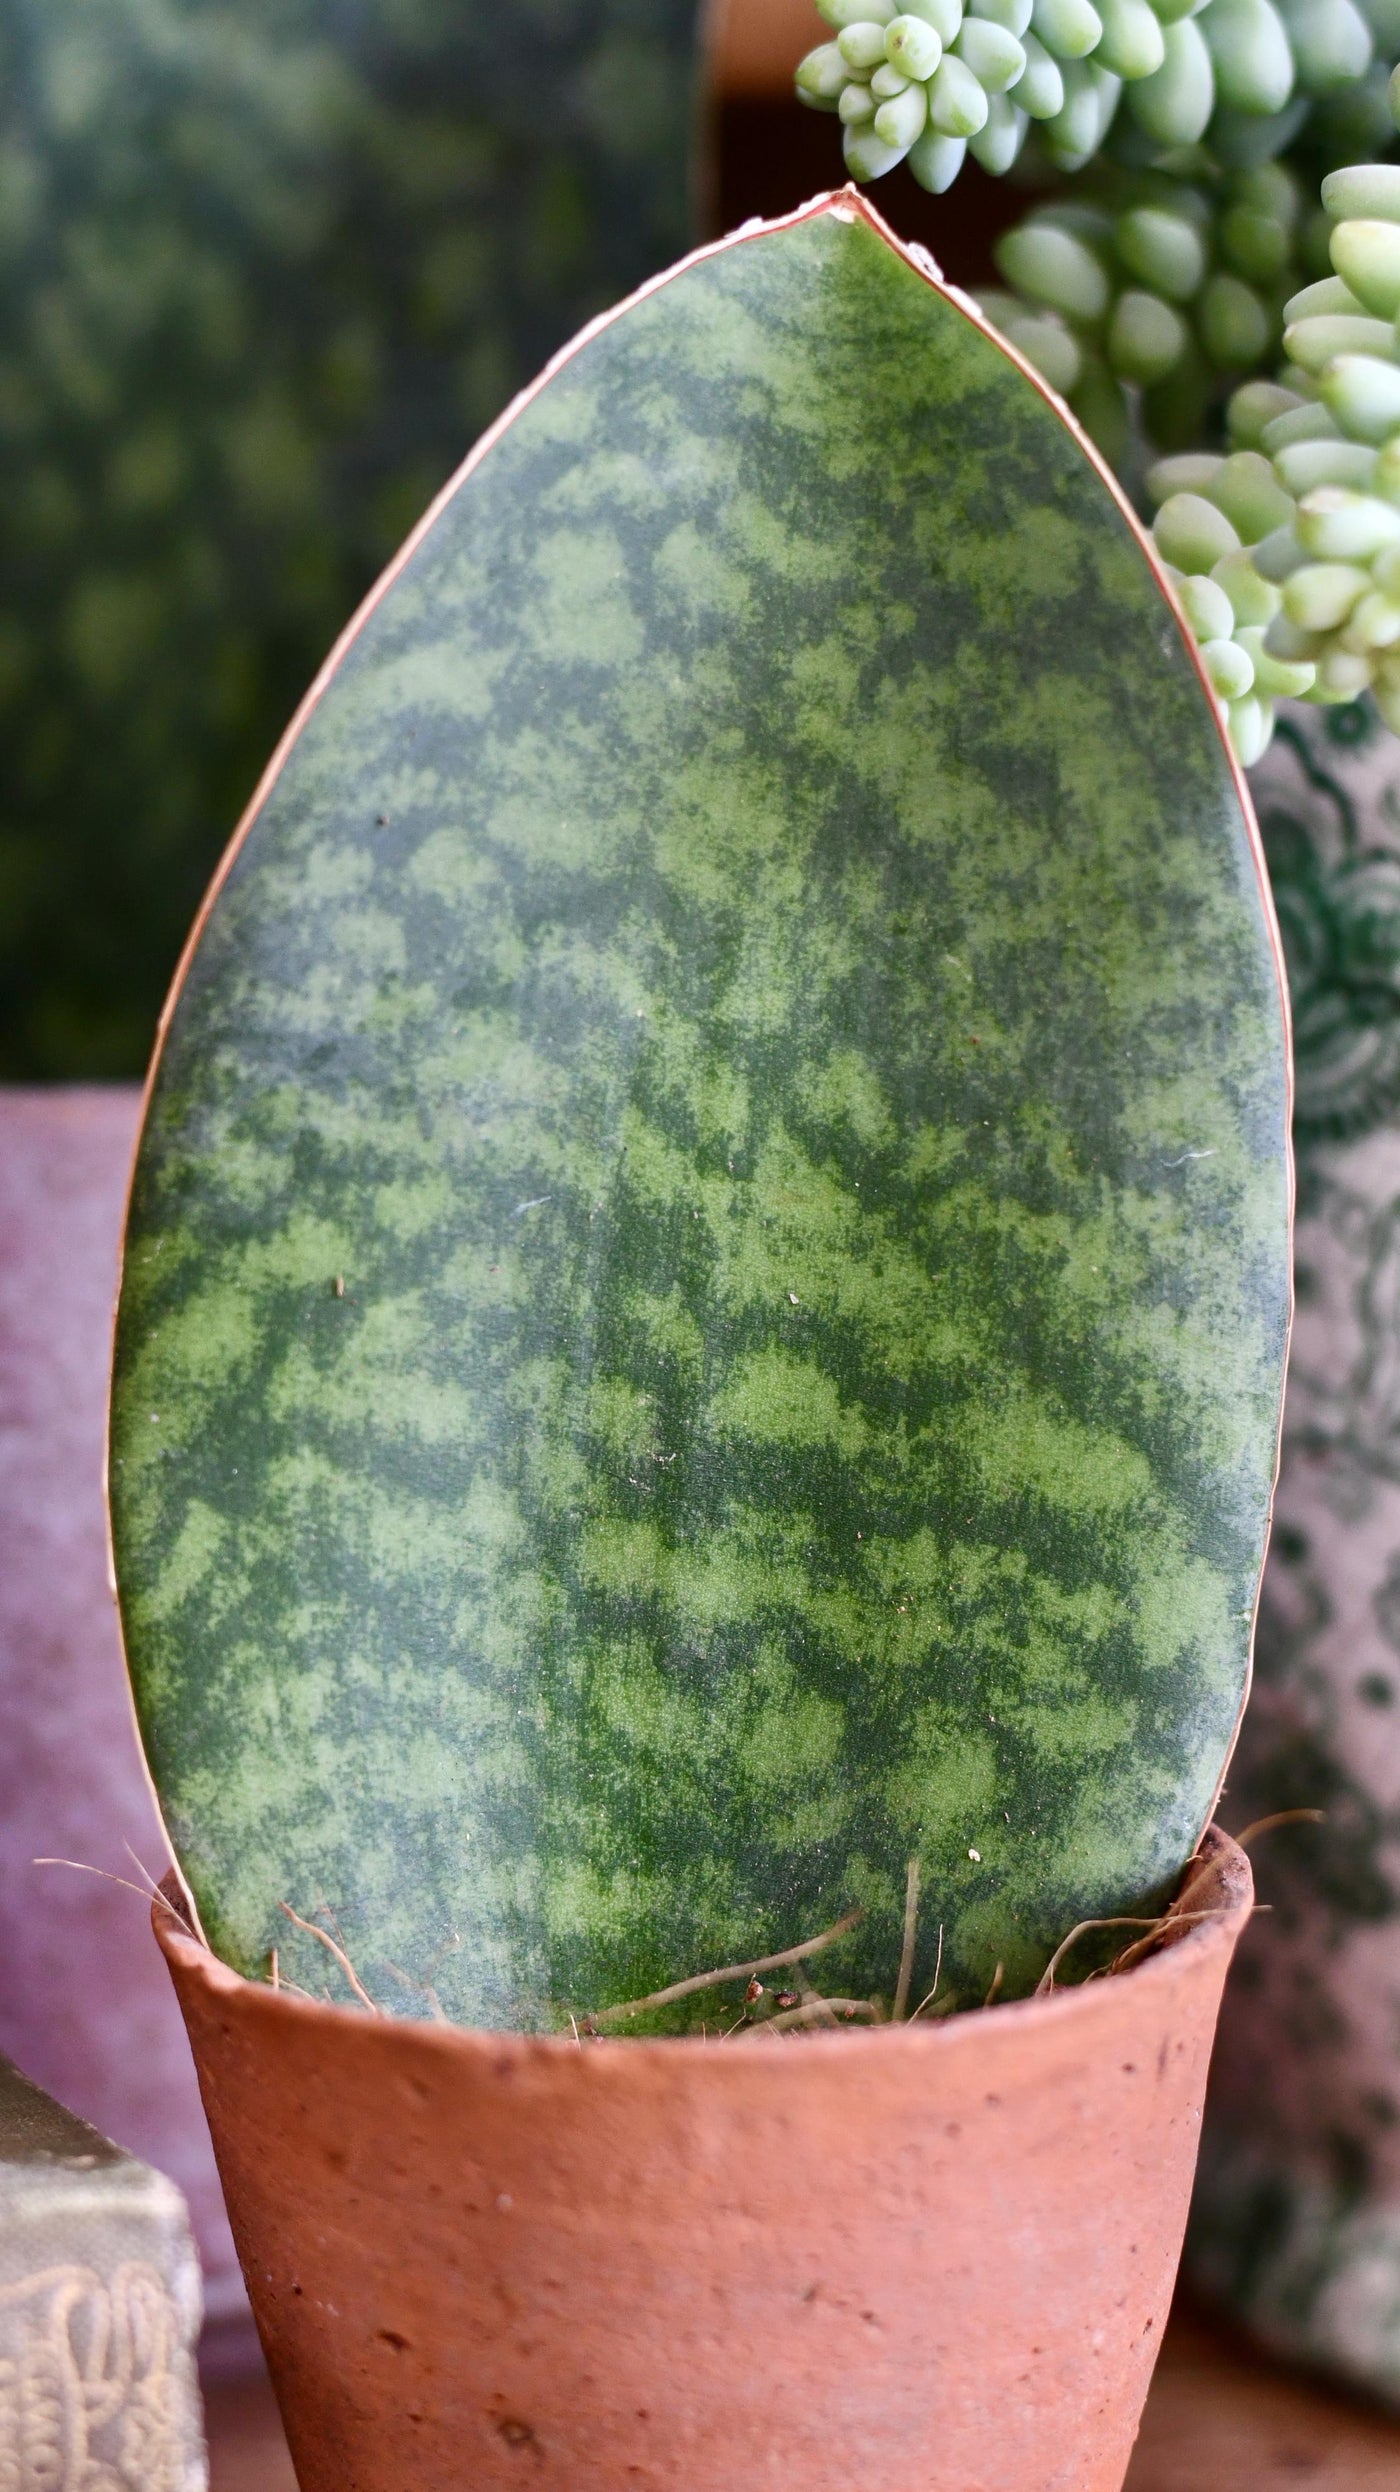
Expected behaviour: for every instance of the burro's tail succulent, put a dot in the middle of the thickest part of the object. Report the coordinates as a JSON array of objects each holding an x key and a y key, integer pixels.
[
  {"x": 1286, "y": 549},
  {"x": 934, "y": 82},
  {"x": 705, "y": 1296},
  {"x": 1163, "y": 290}
]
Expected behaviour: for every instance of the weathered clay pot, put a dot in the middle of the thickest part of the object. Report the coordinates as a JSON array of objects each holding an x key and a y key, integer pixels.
[{"x": 932, "y": 2255}]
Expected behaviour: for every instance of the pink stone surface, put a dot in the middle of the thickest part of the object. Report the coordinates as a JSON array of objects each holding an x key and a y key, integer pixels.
[{"x": 85, "y": 2004}]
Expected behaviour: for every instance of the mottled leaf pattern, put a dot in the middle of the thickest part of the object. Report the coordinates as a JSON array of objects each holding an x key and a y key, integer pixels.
[{"x": 707, "y": 1285}]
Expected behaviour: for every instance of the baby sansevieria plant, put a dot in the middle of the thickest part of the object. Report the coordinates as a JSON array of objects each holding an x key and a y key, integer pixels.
[
  {"x": 933, "y": 82},
  {"x": 704, "y": 1304},
  {"x": 1287, "y": 548}
]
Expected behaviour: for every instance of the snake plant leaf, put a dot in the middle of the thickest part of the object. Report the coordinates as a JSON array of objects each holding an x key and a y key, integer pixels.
[{"x": 707, "y": 1278}]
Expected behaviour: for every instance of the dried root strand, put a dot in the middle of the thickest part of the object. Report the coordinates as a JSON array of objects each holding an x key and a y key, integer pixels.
[
  {"x": 930, "y": 1996},
  {"x": 342, "y": 1959},
  {"x": 149, "y": 1893},
  {"x": 1280, "y": 1817},
  {"x": 1173, "y": 1920},
  {"x": 1153, "y": 1923},
  {"x": 814, "y": 2012},
  {"x": 1154, "y": 1928},
  {"x": 727, "y": 1973}
]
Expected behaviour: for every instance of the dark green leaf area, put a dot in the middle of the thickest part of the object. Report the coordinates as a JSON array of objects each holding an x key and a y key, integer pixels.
[
  {"x": 265, "y": 265},
  {"x": 754, "y": 977}
]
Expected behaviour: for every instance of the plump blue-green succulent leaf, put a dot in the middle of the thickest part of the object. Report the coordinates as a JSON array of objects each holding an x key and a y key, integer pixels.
[{"x": 707, "y": 1280}]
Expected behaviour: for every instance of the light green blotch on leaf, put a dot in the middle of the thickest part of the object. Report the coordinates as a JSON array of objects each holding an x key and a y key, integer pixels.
[{"x": 777, "y": 1398}]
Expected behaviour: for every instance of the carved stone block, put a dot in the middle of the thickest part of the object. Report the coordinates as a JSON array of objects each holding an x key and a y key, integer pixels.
[{"x": 99, "y": 2311}]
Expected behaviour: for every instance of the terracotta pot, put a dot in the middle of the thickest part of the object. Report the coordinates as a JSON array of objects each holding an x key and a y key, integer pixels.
[
  {"x": 1297, "y": 2219},
  {"x": 935, "y": 2255}
]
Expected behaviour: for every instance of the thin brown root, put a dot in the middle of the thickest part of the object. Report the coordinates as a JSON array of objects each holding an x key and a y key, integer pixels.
[
  {"x": 1120, "y": 1921},
  {"x": 1172, "y": 1920},
  {"x": 818, "y": 2011},
  {"x": 1281, "y": 1817},
  {"x": 148, "y": 1894},
  {"x": 937, "y": 1973},
  {"x": 812, "y": 1998},
  {"x": 996, "y": 1985},
  {"x": 142, "y": 1871},
  {"x": 342, "y": 1959},
  {"x": 322, "y": 1906},
  {"x": 1197, "y": 1875},
  {"x": 728, "y": 1972},
  {"x": 906, "y": 1953}
]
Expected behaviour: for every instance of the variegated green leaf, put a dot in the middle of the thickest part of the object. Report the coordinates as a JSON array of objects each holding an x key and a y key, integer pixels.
[{"x": 708, "y": 1275}]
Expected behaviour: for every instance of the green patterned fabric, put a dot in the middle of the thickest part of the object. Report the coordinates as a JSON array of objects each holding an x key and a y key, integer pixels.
[
  {"x": 267, "y": 267},
  {"x": 705, "y": 1303},
  {"x": 1296, "y": 2223}
]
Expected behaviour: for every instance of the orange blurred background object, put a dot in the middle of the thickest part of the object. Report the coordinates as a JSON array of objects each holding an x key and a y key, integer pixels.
[
  {"x": 767, "y": 153},
  {"x": 755, "y": 45}
]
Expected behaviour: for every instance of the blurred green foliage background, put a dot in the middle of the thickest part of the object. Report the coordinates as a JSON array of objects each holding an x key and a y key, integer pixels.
[{"x": 267, "y": 267}]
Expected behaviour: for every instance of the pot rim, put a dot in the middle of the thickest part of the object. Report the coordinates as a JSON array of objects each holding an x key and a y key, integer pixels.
[{"x": 1217, "y": 1858}]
